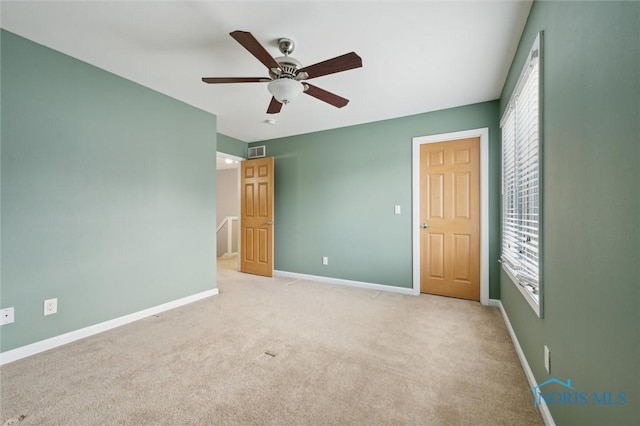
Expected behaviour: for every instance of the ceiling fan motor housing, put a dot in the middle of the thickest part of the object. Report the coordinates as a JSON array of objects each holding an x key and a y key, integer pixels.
[{"x": 290, "y": 67}]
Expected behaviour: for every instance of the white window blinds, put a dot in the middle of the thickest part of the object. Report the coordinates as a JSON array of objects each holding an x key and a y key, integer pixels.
[{"x": 521, "y": 178}]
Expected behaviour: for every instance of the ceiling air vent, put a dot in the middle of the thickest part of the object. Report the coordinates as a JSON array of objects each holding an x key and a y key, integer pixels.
[{"x": 257, "y": 151}]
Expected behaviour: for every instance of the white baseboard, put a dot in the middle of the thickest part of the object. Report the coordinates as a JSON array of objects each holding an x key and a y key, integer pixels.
[
  {"x": 349, "y": 283},
  {"x": 53, "y": 342},
  {"x": 494, "y": 303},
  {"x": 542, "y": 406}
]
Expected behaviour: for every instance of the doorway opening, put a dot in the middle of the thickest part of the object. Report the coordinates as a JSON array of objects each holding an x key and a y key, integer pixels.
[{"x": 228, "y": 207}]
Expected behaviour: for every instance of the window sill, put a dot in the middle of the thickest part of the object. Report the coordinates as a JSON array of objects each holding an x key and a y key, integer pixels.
[{"x": 530, "y": 298}]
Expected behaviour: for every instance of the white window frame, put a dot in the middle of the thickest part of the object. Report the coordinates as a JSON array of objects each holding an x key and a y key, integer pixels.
[{"x": 521, "y": 130}]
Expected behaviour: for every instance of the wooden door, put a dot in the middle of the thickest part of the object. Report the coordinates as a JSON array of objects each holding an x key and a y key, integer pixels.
[
  {"x": 450, "y": 218},
  {"x": 256, "y": 216}
]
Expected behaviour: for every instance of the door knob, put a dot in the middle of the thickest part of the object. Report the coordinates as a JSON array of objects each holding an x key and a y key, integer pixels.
[
  {"x": 269, "y": 223},
  {"x": 424, "y": 226}
]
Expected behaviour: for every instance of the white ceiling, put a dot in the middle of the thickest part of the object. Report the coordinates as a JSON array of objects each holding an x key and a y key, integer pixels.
[{"x": 418, "y": 56}]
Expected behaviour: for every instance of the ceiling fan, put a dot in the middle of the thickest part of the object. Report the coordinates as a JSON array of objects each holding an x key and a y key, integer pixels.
[{"x": 287, "y": 77}]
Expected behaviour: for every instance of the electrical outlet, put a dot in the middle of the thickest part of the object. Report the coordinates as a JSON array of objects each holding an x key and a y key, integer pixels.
[
  {"x": 325, "y": 260},
  {"x": 6, "y": 316},
  {"x": 547, "y": 359},
  {"x": 50, "y": 306}
]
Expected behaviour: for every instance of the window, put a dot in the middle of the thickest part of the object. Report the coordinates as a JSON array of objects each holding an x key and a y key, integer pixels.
[{"x": 521, "y": 202}]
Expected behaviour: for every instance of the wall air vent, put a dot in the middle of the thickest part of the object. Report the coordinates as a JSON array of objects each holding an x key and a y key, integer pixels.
[{"x": 257, "y": 151}]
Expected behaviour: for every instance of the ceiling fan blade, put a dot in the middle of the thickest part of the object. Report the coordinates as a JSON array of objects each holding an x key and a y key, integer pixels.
[
  {"x": 274, "y": 106},
  {"x": 217, "y": 80},
  {"x": 331, "y": 66},
  {"x": 323, "y": 95},
  {"x": 249, "y": 42}
]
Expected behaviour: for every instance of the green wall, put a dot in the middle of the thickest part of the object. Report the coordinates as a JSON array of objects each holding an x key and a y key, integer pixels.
[
  {"x": 335, "y": 191},
  {"x": 591, "y": 205},
  {"x": 232, "y": 146},
  {"x": 108, "y": 194}
]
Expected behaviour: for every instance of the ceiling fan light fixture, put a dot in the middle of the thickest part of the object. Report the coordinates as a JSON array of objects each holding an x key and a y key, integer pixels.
[
  {"x": 285, "y": 90},
  {"x": 286, "y": 74}
]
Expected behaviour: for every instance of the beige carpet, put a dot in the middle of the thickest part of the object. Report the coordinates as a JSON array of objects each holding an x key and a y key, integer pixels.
[{"x": 283, "y": 351}]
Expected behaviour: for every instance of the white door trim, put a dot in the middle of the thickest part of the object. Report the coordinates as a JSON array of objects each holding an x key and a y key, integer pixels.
[{"x": 483, "y": 134}]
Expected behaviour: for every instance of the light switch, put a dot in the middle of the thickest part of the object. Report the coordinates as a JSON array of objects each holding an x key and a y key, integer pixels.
[{"x": 397, "y": 209}]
